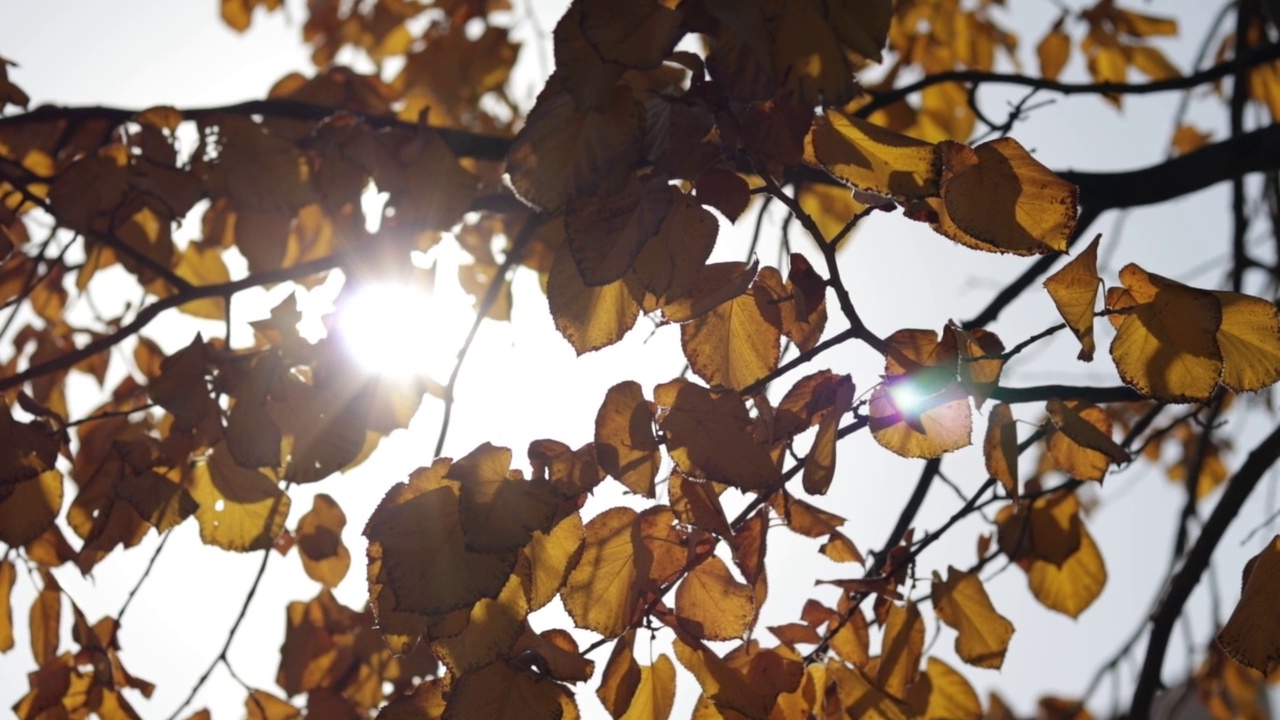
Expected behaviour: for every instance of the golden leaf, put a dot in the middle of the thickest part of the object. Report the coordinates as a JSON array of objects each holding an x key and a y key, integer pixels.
[
  {"x": 1188, "y": 139},
  {"x": 626, "y": 446},
  {"x": 944, "y": 694},
  {"x": 590, "y": 317},
  {"x": 656, "y": 692},
  {"x": 202, "y": 265},
  {"x": 625, "y": 559},
  {"x": 698, "y": 504},
  {"x": 1074, "y": 290},
  {"x": 499, "y": 512},
  {"x": 820, "y": 463},
  {"x": 859, "y": 697},
  {"x": 28, "y": 508},
  {"x": 748, "y": 680},
  {"x": 708, "y": 436},
  {"x": 8, "y": 573},
  {"x": 712, "y": 605},
  {"x": 319, "y": 537},
  {"x": 981, "y": 361},
  {"x": 256, "y": 168},
  {"x": 1053, "y": 51},
  {"x": 1000, "y": 448},
  {"x": 901, "y": 649},
  {"x": 621, "y": 676},
  {"x": 562, "y": 153},
  {"x": 552, "y": 555},
  {"x": 501, "y": 692},
  {"x": 670, "y": 263},
  {"x": 997, "y": 197},
  {"x": 717, "y": 283},
  {"x": 607, "y": 232},
  {"x": 239, "y": 509},
  {"x": 982, "y": 633},
  {"x": 869, "y": 157},
  {"x": 1250, "y": 635},
  {"x": 736, "y": 343},
  {"x": 1083, "y": 447},
  {"x": 493, "y": 626},
  {"x": 415, "y": 536},
  {"x": 570, "y": 472},
  {"x": 1249, "y": 338},
  {"x": 1073, "y": 586}
]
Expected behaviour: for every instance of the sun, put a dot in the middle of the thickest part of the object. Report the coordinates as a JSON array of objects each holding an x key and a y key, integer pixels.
[{"x": 381, "y": 325}]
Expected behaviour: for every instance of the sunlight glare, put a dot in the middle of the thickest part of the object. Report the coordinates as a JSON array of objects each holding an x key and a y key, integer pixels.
[
  {"x": 907, "y": 396},
  {"x": 400, "y": 330}
]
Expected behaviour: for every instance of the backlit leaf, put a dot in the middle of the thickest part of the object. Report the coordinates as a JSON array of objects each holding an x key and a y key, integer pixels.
[
  {"x": 239, "y": 509},
  {"x": 562, "y": 152},
  {"x": 499, "y": 512},
  {"x": 656, "y": 692},
  {"x": 717, "y": 283},
  {"x": 202, "y": 265},
  {"x": 319, "y": 536},
  {"x": 669, "y": 264},
  {"x": 820, "y": 463},
  {"x": 621, "y": 676},
  {"x": 1250, "y": 635},
  {"x": 735, "y": 344},
  {"x": 1166, "y": 347},
  {"x": 997, "y": 197},
  {"x": 982, "y": 633},
  {"x": 625, "y": 558},
  {"x": 945, "y": 425},
  {"x": 698, "y": 504},
  {"x": 493, "y": 626},
  {"x": 626, "y": 446},
  {"x": 415, "y": 536},
  {"x": 1000, "y": 448},
  {"x": 859, "y": 696},
  {"x": 1074, "y": 290},
  {"x": 901, "y": 649},
  {"x": 8, "y": 573},
  {"x": 633, "y": 34},
  {"x": 708, "y": 436},
  {"x": 869, "y": 157},
  {"x": 711, "y": 604},
  {"x": 607, "y": 232},
  {"x": 944, "y": 694},
  {"x": 1249, "y": 338},
  {"x": 1053, "y": 51},
  {"x": 590, "y": 317},
  {"x": 29, "y": 508},
  {"x": 1072, "y": 587},
  {"x": 747, "y": 680},
  {"x": 1083, "y": 447},
  {"x": 501, "y": 692},
  {"x": 552, "y": 555}
]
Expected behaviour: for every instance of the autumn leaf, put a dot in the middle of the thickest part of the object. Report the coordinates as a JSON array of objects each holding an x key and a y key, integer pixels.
[
  {"x": 708, "y": 437},
  {"x": 319, "y": 534},
  {"x": 737, "y": 343},
  {"x": 1074, "y": 290},
  {"x": 1052, "y": 52},
  {"x": 820, "y": 463},
  {"x": 552, "y": 556},
  {"x": 1070, "y": 588},
  {"x": 607, "y": 232},
  {"x": 698, "y": 504},
  {"x": 901, "y": 649},
  {"x": 634, "y": 35},
  {"x": 239, "y": 509},
  {"x": 870, "y": 157},
  {"x": 590, "y": 317},
  {"x": 621, "y": 676},
  {"x": 625, "y": 558},
  {"x": 1083, "y": 447},
  {"x": 711, "y": 604},
  {"x": 8, "y": 573},
  {"x": 920, "y": 411},
  {"x": 1249, "y": 338},
  {"x": 499, "y": 512},
  {"x": 493, "y": 626},
  {"x": 626, "y": 446},
  {"x": 747, "y": 680},
  {"x": 671, "y": 261},
  {"x": 415, "y": 534},
  {"x": 943, "y": 693},
  {"x": 982, "y": 633},
  {"x": 1000, "y": 448},
  {"x": 997, "y": 197},
  {"x": 502, "y": 692},
  {"x": 1250, "y": 634}
]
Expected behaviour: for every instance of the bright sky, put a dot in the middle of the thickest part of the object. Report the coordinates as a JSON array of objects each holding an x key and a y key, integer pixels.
[{"x": 524, "y": 383}]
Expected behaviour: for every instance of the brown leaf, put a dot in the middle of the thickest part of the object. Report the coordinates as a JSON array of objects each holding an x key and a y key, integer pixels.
[{"x": 708, "y": 436}]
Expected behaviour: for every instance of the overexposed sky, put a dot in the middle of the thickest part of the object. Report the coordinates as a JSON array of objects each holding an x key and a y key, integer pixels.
[{"x": 524, "y": 382}]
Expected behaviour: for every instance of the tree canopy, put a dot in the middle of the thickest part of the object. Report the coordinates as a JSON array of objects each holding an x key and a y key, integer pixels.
[{"x": 696, "y": 171}]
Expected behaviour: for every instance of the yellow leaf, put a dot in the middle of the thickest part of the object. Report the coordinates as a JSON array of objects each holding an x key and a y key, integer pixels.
[
  {"x": 1053, "y": 51},
  {"x": 202, "y": 265},
  {"x": 426, "y": 702},
  {"x": 982, "y": 634},
  {"x": 747, "y": 680},
  {"x": 717, "y": 283},
  {"x": 256, "y": 168},
  {"x": 586, "y": 76},
  {"x": 415, "y": 537},
  {"x": 501, "y": 692},
  {"x": 920, "y": 411},
  {"x": 1073, "y": 586},
  {"x": 859, "y": 697},
  {"x": 944, "y": 694},
  {"x": 626, "y": 446},
  {"x": 708, "y": 436},
  {"x": 319, "y": 537},
  {"x": 45, "y": 622},
  {"x": 736, "y": 343},
  {"x": 29, "y": 508},
  {"x": 807, "y": 403},
  {"x": 493, "y": 626},
  {"x": 1150, "y": 62},
  {"x": 607, "y": 232},
  {"x": 901, "y": 649},
  {"x": 636, "y": 35},
  {"x": 239, "y": 509},
  {"x": 1249, "y": 338},
  {"x": 552, "y": 555},
  {"x": 8, "y": 573},
  {"x": 830, "y": 206},
  {"x": 253, "y": 438},
  {"x": 1188, "y": 139},
  {"x": 499, "y": 512},
  {"x": 997, "y": 197},
  {"x": 621, "y": 676},
  {"x": 1166, "y": 348},
  {"x": 562, "y": 153},
  {"x": 869, "y": 157},
  {"x": 981, "y": 361},
  {"x": 1250, "y": 635},
  {"x": 262, "y": 705},
  {"x": 669, "y": 264},
  {"x": 698, "y": 504},
  {"x": 1083, "y": 447},
  {"x": 1074, "y": 291},
  {"x": 711, "y": 604},
  {"x": 625, "y": 559},
  {"x": 820, "y": 463},
  {"x": 1000, "y": 448},
  {"x": 590, "y": 317},
  {"x": 656, "y": 692},
  {"x": 570, "y": 472}
]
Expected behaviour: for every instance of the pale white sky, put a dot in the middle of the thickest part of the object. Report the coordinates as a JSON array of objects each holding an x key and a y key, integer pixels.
[{"x": 525, "y": 383}]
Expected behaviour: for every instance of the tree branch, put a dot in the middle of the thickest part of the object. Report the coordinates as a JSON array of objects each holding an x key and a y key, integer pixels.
[
  {"x": 1188, "y": 576},
  {"x": 149, "y": 313},
  {"x": 1260, "y": 56}
]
